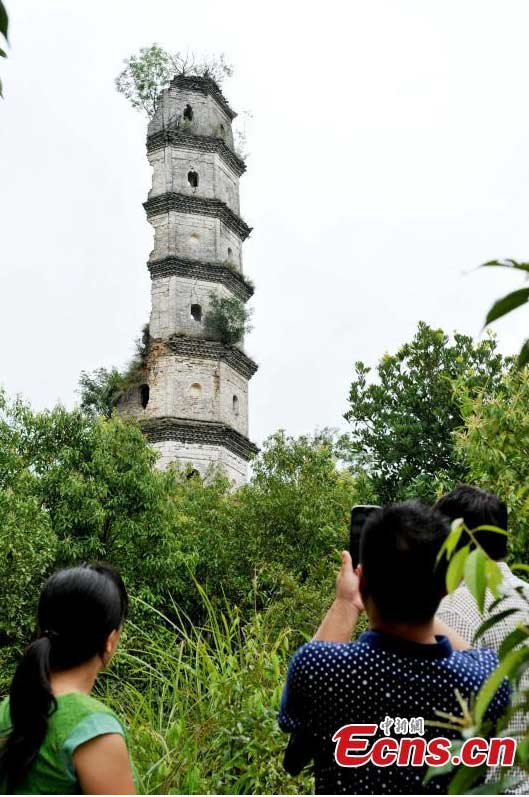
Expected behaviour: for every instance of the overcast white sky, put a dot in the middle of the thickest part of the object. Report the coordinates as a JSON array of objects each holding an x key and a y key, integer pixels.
[{"x": 389, "y": 154}]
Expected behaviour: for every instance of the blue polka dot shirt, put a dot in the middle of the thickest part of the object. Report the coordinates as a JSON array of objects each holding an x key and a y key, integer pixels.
[{"x": 332, "y": 684}]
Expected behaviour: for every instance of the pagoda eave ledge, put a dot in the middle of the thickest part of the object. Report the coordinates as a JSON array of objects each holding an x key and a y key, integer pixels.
[
  {"x": 203, "y": 206},
  {"x": 201, "y": 143},
  {"x": 194, "y": 432},
  {"x": 201, "y": 270},
  {"x": 202, "y": 349}
]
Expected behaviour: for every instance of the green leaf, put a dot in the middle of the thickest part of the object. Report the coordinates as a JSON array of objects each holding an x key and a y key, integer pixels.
[
  {"x": 496, "y": 603},
  {"x": 509, "y": 302},
  {"x": 454, "y": 536},
  {"x": 520, "y": 566},
  {"x": 493, "y": 576},
  {"x": 451, "y": 541},
  {"x": 512, "y": 640},
  {"x": 495, "y": 529},
  {"x": 4, "y": 21},
  {"x": 464, "y": 778},
  {"x": 508, "y": 263},
  {"x": 507, "y": 667},
  {"x": 454, "y": 573},
  {"x": 522, "y": 751},
  {"x": 475, "y": 579},
  {"x": 523, "y": 356},
  {"x": 498, "y": 786},
  {"x": 3, "y": 53},
  {"x": 434, "y": 772},
  {"x": 491, "y": 621}
]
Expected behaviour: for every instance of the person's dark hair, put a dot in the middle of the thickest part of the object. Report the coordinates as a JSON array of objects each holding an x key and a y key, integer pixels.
[
  {"x": 478, "y": 508},
  {"x": 78, "y": 608},
  {"x": 398, "y": 552}
]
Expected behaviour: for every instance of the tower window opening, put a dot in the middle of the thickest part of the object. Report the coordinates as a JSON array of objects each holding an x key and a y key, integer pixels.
[
  {"x": 195, "y": 391},
  {"x": 235, "y": 405},
  {"x": 230, "y": 253},
  {"x": 144, "y": 395},
  {"x": 192, "y": 179},
  {"x": 222, "y": 130},
  {"x": 194, "y": 238},
  {"x": 188, "y": 113},
  {"x": 196, "y": 312}
]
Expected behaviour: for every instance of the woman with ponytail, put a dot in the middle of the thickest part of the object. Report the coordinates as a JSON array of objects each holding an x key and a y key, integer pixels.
[{"x": 54, "y": 737}]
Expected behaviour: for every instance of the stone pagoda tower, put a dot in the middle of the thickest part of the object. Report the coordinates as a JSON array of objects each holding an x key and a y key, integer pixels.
[{"x": 193, "y": 399}]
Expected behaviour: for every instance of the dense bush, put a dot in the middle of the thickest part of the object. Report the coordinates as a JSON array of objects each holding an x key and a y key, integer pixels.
[{"x": 227, "y": 319}]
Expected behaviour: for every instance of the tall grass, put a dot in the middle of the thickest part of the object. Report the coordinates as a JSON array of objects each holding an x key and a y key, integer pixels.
[{"x": 200, "y": 704}]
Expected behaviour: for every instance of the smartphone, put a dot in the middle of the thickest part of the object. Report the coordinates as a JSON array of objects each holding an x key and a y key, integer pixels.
[{"x": 359, "y": 515}]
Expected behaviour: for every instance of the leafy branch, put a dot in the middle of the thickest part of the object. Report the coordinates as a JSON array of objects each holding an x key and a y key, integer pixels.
[
  {"x": 510, "y": 301},
  {"x": 227, "y": 319},
  {"x": 4, "y": 26}
]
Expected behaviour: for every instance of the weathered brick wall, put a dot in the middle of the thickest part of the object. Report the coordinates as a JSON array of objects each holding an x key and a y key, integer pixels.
[
  {"x": 171, "y": 301},
  {"x": 209, "y": 118},
  {"x": 194, "y": 236},
  {"x": 172, "y": 165},
  {"x": 203, "y": 458},
  {"x": 199, "y": 389}
]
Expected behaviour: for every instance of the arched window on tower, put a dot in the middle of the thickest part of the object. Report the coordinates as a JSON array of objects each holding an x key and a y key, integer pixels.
[
  {"x": 230, "y": 253},
  {"x": 195, "y": 391},
  {"x": 188, "y": 113},
  {"x": 144, "y": 395},
  {"x": 222, "y": 131},
  {"x": 235, "y": 405},
  {"x": 196, "y": 312},
  {"x": 192, "y": 179}
]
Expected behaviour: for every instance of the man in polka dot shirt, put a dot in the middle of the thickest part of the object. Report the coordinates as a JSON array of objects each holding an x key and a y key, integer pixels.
[{"x": 399, "y": 668}]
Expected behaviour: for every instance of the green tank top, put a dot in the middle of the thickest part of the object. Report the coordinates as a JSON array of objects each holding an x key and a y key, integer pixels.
[{"x": 78, "y": 719}]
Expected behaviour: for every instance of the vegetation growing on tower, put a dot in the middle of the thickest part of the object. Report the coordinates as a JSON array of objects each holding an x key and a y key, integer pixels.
[
  {"x": 227, "y": 320},
  {"x": 100, "y": 390},
  {"x": 150, "y": 71}
]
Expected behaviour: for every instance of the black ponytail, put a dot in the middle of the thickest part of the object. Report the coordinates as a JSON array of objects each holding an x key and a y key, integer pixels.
[
  {"x": 31, "y": 703},
  {"x": 78, "y": 609}
]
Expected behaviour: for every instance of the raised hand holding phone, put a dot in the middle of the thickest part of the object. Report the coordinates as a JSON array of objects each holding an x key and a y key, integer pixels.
[{"x": 348, "y": 583}]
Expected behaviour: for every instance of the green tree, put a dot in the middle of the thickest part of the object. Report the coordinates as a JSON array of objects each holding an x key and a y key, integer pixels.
[
  {"x": 494, "y": 442},
  {"x": 92, "y": 484},
  {"x": 28, "y": 544},
  {"x": 102, "y": 495},
  {"x": 273, "y": 543},
  {"x": 403, "y": 423},
  {"x": 227, "y": 320},
  {"x": 149, "y": 72},
  {"x": 100, "y": 390}
]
